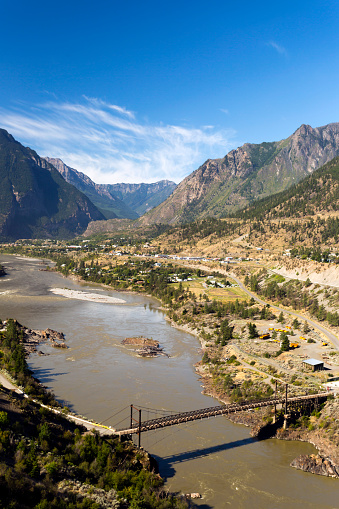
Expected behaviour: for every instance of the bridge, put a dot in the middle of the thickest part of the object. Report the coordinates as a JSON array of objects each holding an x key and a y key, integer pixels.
[{"x": 137, "y": 426}]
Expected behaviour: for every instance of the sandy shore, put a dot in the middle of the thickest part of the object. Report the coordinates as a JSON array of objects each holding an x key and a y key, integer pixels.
[{"x": 91, "y": 297}]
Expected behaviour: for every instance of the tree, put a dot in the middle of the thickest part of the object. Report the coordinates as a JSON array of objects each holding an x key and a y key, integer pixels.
[
  {"x": 285, "y": 343},
  {"x": 254, "y": 284},
  {"x": 252, "y": 329},
  {"x": 281, "y": 318},
  {"x": 205, "y": 358},
  {"x": 226, "y": 332},
  {"x": 295, "y": 323},
  {"x": 306, "y": 327}
]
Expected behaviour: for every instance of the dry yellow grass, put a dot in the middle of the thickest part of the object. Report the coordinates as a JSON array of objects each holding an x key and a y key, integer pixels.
[{"x": 198, "y": 287}]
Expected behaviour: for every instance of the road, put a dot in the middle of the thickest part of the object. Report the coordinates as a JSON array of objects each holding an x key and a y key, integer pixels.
[
  {"x": 8, "y": 385},
  {"x": 103, "y": 430},
  {"x": 330, "y": 336}
]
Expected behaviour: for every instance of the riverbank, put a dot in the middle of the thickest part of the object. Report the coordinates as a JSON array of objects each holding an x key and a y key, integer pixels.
[
  {"x": 251, "y": 419},
  {"x": 97, "y": 377},
  {"x": 325, "y": 463},
  {"x": 49, "y": 464},
  {"x": 258, "y": 419}
]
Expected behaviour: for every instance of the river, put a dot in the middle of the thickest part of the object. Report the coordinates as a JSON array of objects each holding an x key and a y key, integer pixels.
[{"x": 98, "y": 377}]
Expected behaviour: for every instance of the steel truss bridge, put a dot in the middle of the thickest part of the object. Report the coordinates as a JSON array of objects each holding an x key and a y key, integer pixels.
[{"x": 137, "y": 426}]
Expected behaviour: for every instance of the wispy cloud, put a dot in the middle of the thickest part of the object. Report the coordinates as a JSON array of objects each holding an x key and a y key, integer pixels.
[
  {"x": 109, "y": 144},
  {"x": 225, "y": 111},
  {"x": 280, "y": 49}
]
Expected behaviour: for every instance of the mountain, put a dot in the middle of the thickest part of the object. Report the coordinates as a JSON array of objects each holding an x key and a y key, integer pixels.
[
  {"x": 108, "y": 204},
  {"x": 143, "y": 197},
  {"x": 316, "y": 194},
  {"x": 117, "y": 200},
  {"x": 222, "y": 186},
  {"x": 35, "y": 201}
]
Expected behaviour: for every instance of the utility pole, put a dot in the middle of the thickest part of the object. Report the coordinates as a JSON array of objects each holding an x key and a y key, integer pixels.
[
  {"x": 132, "y": 420},
  {"x": 275, "y": 403},
  {"x": 139, "y": 432},
  {"x": 285, "y": 415}
]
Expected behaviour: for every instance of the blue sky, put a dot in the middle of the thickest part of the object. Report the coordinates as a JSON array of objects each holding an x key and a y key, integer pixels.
[{"x": 140, "y": 91}]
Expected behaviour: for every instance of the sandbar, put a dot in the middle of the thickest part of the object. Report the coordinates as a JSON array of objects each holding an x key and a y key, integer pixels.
[{"x": 92, "y": 297}]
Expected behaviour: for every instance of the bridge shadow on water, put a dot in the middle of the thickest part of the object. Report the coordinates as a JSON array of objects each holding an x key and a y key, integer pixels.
[
  {"x": 167, "y": 462},
  {"x": 46, "y": 375},
  {"x": 199, "y": 453}
]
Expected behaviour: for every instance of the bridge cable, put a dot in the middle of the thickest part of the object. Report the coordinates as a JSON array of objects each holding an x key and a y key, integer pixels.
[
  {"x": 187, "y": 425},
  {"x": 157, "y": 410},
  {"x": 114, "y": 414}
]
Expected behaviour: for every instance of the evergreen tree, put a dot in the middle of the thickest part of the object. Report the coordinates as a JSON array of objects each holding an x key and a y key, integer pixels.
[
  {"x": 281, "y": 318},
  {"x": 252, "y": 329},
  {"x": 285, "y": 343}
]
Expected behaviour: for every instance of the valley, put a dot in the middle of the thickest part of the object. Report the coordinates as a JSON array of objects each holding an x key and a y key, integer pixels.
[
  {"x": 216, "y": 374},
  {"x": 259, "y": 290}
]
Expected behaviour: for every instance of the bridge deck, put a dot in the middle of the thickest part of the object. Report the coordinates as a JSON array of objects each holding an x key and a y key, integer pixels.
[{"x": 204, "y": 413}]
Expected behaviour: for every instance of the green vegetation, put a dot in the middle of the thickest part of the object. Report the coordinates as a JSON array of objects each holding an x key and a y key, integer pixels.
[
  {"x": 201, "y": 229},
  {"x": 252, "y": 330},
  {"x": 292, "y": 293},
  {"x": 12, "y": 359},
  {"x": 60, "y": 211},
  {"x": 317, "y": 192},
  {"x": 285, "y": 342},
  {"x": 39, "y": 449}
]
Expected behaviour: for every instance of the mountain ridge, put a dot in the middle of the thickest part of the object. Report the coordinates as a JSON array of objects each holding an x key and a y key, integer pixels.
[
  {"x": 116, "y": 200},
  {"x": 35, "y": 200},
  {"x": 143, "y": 197},
  {"x": 221, "y": 186},
  {"x": 109, "y": 205}
]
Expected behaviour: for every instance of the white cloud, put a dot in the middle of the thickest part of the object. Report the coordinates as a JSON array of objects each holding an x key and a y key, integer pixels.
[
  {"x": 280, "y": 49},
  {"x": 107, "y": 142},
  {"x": 100, "y": 102},
  {"x": 225, "y": 111}
]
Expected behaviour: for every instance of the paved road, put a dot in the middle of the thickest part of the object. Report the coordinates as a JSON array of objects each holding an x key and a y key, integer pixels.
[
  {"x": 8, "y": 385},
  {"x": 330, "y": 336},
  {"x": 103, "y": 430}
]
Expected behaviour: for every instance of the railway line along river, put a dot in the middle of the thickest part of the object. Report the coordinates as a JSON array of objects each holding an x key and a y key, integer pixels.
[{"x": 97, "y": 376}]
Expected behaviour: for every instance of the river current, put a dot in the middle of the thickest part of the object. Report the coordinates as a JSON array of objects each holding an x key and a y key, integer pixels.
[{"x": 99, "y": 378}]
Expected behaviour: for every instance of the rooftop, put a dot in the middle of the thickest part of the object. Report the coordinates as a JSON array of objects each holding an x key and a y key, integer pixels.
[{"x": 313, "y": 362}]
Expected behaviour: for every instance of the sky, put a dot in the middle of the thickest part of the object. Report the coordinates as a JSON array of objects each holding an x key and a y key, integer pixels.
[{"x": 142, "y": 91}]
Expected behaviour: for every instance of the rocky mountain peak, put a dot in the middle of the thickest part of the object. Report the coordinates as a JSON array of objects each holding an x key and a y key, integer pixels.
[{"x": 250, "y": 172}]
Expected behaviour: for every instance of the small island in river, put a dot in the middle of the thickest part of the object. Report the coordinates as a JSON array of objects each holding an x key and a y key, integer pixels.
[{"x": 149, "y": 347}]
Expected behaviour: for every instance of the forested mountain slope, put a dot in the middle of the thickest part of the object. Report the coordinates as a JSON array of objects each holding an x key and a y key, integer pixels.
[
  {"x": 35, "y": 201},
  {"x": 109, "y": 204},
  {"x": 222, "y": 186},
  {"x": 318, "y": 193}
]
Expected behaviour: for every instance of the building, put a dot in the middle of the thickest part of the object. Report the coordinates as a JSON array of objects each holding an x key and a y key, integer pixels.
[{"x": 313, "y": 364}]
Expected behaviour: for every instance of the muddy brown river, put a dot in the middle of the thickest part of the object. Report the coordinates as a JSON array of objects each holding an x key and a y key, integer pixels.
[{"x": 99, "y": 378}]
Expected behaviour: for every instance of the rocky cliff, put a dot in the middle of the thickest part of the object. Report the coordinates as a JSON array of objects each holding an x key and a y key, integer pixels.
[
  {"x": 117, "y": 200},
  {"x": 35, "y": 201},
  {"x": 143, "y": 197},
  {"x": 109, "y": 204},
  {"x": 252, "y": 171}
]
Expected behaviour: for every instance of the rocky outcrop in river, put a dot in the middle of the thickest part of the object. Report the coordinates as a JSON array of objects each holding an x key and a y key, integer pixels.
[
  {"x": 32, "y": 339},
  {"x": 149, "y": 347},
  {"x": 315, "y": 464}
]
